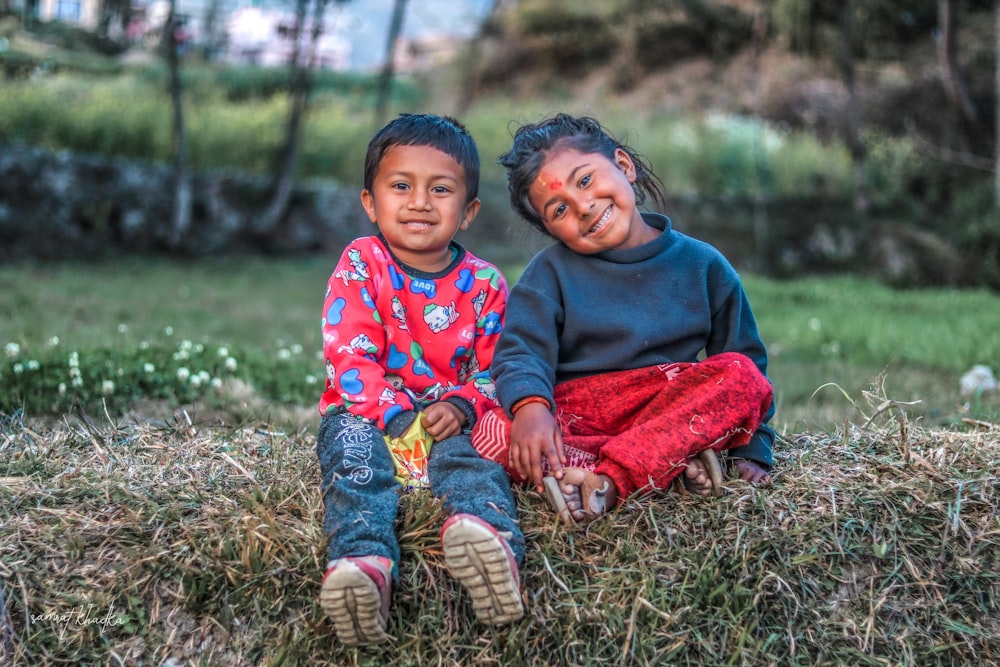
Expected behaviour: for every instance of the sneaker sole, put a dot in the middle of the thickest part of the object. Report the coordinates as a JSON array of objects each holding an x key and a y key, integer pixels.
[
  {"x": 352, "y": 601},
  {"x": 480, "y": 561}
]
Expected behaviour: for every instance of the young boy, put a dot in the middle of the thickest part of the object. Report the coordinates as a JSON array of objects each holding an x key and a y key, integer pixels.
[{"x": 410, "y": 319}]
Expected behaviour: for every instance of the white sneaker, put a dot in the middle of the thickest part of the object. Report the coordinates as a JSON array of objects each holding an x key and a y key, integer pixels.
[{"x": 481, "y": 560}]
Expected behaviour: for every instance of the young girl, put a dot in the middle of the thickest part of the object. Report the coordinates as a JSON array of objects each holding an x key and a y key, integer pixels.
[{"x": 630, "y": 355}]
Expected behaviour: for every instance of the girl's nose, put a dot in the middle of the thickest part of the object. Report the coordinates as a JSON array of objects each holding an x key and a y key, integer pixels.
[{"x": 584, "y": 205}]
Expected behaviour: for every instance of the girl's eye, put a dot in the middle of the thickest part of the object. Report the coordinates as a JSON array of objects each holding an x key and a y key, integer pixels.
[
  {"x": 558, "y": 211},
  {"x": 585, "y": 181}
]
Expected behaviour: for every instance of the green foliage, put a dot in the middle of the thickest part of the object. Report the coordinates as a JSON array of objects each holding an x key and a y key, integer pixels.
[{"x": 116, "y": 317}]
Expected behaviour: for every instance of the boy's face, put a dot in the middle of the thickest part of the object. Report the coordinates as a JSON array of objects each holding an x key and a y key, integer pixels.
[{"x": 418, "y": 202}]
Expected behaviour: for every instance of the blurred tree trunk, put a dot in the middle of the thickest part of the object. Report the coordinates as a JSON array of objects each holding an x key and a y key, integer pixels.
[
  {"x": 996, "y": 169},
  {"x": 853, "y": 126},
  {"x": 212, "y": 35},
  {"x": 389, "y": 68},
  {"x": 467, "y": 94},
  {"x": 761, "y": 224},
  {"x": 182, "y": 170},
  {"x": 955, "y": 88},
  {"x": 301, "y": 82}
]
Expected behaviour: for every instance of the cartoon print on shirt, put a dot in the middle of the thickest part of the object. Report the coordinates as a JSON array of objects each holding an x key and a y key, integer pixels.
[
  {"x": 485, "y": 386},
  {"x": 469, "y": 367},
  {"x": 439, "y": 317},
  {"x": 388, "y": 396},
  {"x": 361, "y": 343},
  {"x": 478, "y": 302},
  {"x": 359, "y": 266},
  {"x": 399, "y": 313},
  {"x": 331, "y": 372}
]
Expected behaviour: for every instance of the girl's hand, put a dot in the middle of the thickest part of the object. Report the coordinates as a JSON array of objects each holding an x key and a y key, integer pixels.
[
  {"x": 443, "y": 420},
  {"x": 534, "y": 434}
]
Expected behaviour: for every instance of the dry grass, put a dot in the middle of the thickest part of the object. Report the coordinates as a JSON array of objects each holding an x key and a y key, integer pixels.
[{"x": 202, "y": 545}]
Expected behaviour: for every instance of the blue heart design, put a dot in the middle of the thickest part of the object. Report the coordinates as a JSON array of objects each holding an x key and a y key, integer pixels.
[
  {"x": 465, "y": 281},
  {"x": 492, "y": 324},
  {"x": 391, "y": 412},
  {"x": 367, "y": 298},
  {"x": 428, "y": 287},
  {"x": 398, "y": 279},
  {"x": 420, "y": 367},
  {"x": 460, "y": 354},
  {"x": 334, "y": 312},
  {"x": 350, "y": 383},
  {"x": 396, "y": 358}
]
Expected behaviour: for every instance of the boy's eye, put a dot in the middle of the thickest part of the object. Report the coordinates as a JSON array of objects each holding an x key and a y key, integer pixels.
[
  {"x": 440, "y": 189},
  {"x": 399, "y": 186}
]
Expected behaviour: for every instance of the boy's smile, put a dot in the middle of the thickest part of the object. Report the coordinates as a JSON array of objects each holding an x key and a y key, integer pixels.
[{"x": 418, "y": 202}]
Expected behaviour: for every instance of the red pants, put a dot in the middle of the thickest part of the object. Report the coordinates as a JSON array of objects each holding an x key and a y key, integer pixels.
[{"x": 641, "y": 427}]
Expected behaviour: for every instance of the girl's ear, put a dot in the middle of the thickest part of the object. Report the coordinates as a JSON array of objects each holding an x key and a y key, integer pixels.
[
  {"x": 471, "y": 211},
  {"x": 624, "y": 162}
]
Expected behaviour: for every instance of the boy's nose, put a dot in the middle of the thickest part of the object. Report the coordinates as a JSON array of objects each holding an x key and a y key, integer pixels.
[{"x": 419, "y": 200}]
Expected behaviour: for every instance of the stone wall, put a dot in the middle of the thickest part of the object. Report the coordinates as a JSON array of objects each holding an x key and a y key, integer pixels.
[{"x": 57, "y": 205}]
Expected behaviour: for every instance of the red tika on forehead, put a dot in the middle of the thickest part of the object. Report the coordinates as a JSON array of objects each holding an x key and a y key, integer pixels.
[{"x": 555, "y": 184}]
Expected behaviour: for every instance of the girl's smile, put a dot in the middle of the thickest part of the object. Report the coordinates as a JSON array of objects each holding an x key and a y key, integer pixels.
[{"x": 586, "y": 201}]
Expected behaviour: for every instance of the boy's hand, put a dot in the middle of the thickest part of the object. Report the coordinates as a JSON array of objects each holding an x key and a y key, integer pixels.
[
  {"x": 443, "y": 420},
  {"x": 534, "y": 434}
]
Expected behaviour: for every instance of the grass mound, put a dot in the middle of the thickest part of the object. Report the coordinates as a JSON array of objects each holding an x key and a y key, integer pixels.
[{"x": 202, "y": 545}]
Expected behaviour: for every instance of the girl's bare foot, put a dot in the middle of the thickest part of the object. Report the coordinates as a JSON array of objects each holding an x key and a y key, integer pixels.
[
  {"x": 696, "y": 479},
  {"x": 749, "y": 471},
  {"x": 581, "y": 495}
]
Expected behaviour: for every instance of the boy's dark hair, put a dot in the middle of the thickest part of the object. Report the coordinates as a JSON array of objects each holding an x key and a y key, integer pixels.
[
  {"x": 441, "y": 132},
  {"x": 533, "y": 141}
]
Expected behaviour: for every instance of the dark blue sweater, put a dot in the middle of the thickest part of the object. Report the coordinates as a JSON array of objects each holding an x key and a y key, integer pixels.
[{"x": 670, "y": 300}]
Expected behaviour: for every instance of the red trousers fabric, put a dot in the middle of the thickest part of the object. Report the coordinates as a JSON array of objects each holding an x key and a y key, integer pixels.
[{"x": 641, "y": 427}]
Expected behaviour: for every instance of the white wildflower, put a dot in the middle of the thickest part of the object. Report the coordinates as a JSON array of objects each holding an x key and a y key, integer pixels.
[
  {"x": 77, "y": 381},
  {"x": 108, "y": 387},
  {"x": 12, "y": 350},
  {"x": 296, "y": 349},
  {"x": 310, "y": 379},
  {"x": 217, "y": 383},
  {"x": 223, "y": 351},
  {"x": 62, "y": 388},
  {"x": 284, "y": 354},
  {"x": 18, "y": 368},
  {"x": 33, "y": 365},
  {"x": 183, "y": 374},
  {"x": 54, "y": 341},
  {"x": 168, "y": 331},
  {"x": 122, "y": 328},
  {"x": 230, "y": 364},
  {"x": 148, "y": 368},
  {"x": 815, "y": 324}
]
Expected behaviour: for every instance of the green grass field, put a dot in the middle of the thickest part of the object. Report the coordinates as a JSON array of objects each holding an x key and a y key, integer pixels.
[
  {"x": 837, "y": 344},
  {"x": 163, "y": 526}
]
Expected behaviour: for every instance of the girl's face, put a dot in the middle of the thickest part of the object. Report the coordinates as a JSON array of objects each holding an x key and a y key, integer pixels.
[{"x": 586, "y": 201}]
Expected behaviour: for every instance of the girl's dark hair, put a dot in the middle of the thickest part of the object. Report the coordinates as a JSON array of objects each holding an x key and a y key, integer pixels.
[
  {"x": 441, "y": 132},
  {"x": 533, "y": 142}
]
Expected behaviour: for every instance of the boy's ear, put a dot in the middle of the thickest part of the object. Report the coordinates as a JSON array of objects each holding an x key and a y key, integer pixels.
[
  {"x": 471, "y": 211},
  {"x": 368, "y": 202},
  {"x": 624, "y": 162}
]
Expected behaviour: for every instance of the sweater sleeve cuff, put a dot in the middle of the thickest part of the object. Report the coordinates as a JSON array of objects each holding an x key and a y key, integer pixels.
[
  {"x": 397, "y": 426},
  {"x": 466, "y": 407}
]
